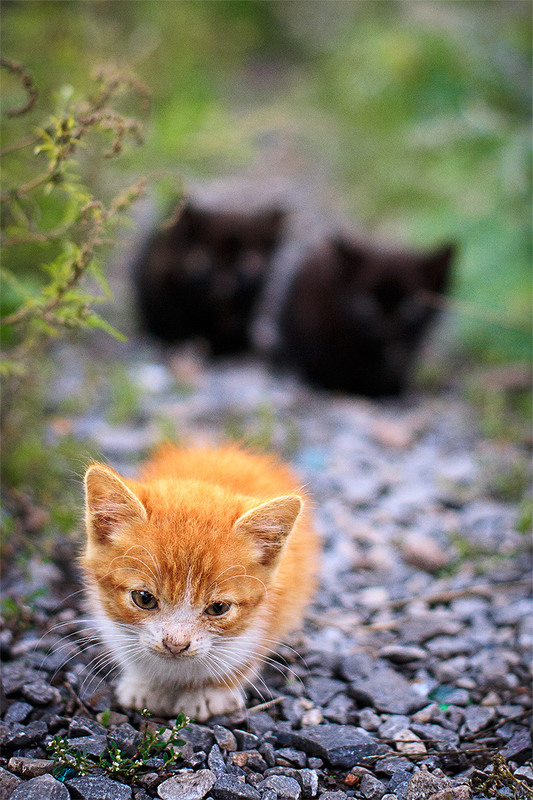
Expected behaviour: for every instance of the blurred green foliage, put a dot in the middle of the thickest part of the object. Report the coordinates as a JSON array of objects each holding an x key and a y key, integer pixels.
[{"x": 420, "y": 112}]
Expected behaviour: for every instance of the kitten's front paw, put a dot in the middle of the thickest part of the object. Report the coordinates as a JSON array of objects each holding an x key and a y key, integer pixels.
[
  {"x": 132, "y": 693},
  {"x": 209, "y": 702}
]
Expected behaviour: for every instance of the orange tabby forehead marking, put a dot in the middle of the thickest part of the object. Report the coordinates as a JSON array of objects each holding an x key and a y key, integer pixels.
[{"x": 187, "y": 550}]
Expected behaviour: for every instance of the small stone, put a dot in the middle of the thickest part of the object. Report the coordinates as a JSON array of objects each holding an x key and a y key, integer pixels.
[
  {"x": 312, "y": 717},
  {"x": 268, "y": 753},
  {"x": 408, "y": 742},
  {"x": 393, "y": 724},
  {"x": 371, "y": 788},
  {"x": 215, "y": 761},
  {"x": 141, "y": 794},
  {"x": 247, "y": 741},
  {"x": 524, "y": 774},
  {"x": 112, "y": 719},
  {"x": 374, "y": 683},
  {"x": 453, "y": 793},
  {"x": 421, "y": 551},
  {"x": 30, "y": 767},
  {"x": 340, "y": 710},
  {"x": 423, "y": 784},
  {"x": 39, "y": 693},
  {"x": 8, "y": 784},
  {"x": 199, "y": 736},
  {"x": 296, "y": 757},
  {"x": 321, "y": 690},
  {"x": 402, "y": 654},
  {"x": 490, "y": 699},
  {"x": 315, "y": 763},
  {"x": 42, "y": 788},
  {"x": 18, "y": 735},
  {"x": 126, "y": 738},
  {"x": 341, "y": 745},
  {"x": 460, "y": 697},
  {"x": 249, "y": 758},
  {"x": 309, "y": 782},
  {"x": 333, "y": 796},
  {"x": 399, "y": 781},
  {"x": 441, "y": 739},
  {"x": 191, "y": 758},
  {"x": 97, "y": 787},
  {"x": 479, "y": 717},
  {"x": 84, "y": 726},
  {"x": 229, "y": 787},
  {"x": 394, "y": 766},
  {"x": 225, "y": 738},
  {"x": 149, "y": 780},
  {"x": 518, "y": 748},
  {"x": 94, "y": 745},
  {"x": 369, "y": 720},
  {"x": 18, "y": 712},
  {"x": 286, "y": 788},
  {"x": 190, "y": 786}
]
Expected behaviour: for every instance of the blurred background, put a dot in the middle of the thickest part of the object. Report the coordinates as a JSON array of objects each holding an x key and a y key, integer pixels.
[{"x": 416, "y": 115}]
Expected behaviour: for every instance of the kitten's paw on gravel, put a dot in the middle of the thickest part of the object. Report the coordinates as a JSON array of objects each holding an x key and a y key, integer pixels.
[
  {"x": 131, "y": 693},
  {"x": 209, "y": 702}
]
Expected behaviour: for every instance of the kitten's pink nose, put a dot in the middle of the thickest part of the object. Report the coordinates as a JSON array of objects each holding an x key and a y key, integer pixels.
[{"x": 175, "y": 647}]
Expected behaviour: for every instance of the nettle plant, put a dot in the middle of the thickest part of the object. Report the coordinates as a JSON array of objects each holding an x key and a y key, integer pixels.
[
  {"x": 52, "y": 226},
  {"x": 159, "y": 744}
]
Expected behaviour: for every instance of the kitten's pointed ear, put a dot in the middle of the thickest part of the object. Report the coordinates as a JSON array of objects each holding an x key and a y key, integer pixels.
[
  {"x": 109, "y": 504},
  {"x": 269, "y": 526}
]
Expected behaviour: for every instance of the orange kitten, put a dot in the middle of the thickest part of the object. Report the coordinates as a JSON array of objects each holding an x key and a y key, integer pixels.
[{"x": 194, "y": 573}]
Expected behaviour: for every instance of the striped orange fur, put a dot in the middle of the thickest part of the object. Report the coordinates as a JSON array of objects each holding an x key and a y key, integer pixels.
[{"x": 195, "y": 571}]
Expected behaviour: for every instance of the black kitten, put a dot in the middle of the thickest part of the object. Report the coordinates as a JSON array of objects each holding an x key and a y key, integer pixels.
[
  {"x": 355, "y": 314},
  {"x": 201, "y": 276}
]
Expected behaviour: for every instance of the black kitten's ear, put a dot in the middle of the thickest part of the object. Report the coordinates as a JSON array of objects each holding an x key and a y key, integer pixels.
[
  {"x": 437, "y": 268},
  {"x": 350, "y": 255}
]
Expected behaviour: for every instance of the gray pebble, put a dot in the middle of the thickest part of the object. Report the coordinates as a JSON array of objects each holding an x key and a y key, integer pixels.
[
  {"x": 246, "y": 740},
  {"x": 423, "y": 784},
  {"x": 18, "y": 712},
  {"x": 229, "y": 787},
  {"x": 371, "y": 788},
  {"x": 341, "y": 745},
  {"x": 296, "y": 757},
  {"x": 94, "y": 745},
  {"x": 42, "y": 788},
  {"x": 126, "y": 738},
  {"x": 39, "y": 693},
  {"x": 30, "y": 767},
  {"x": 286, "y": 788},
  {"x": 215, "y": 761},
  {"x": 402, "y": 654},
  {"x": 190, "y": 786},
  {"x": 479, "y": 717},
  {"x": 97, "y": 787},
  {"x": 374, "y": 683},
  {"x": 8, "y": 783},
  {"x": 83, "y": 726},
  {"x": 225, "y": 738}
]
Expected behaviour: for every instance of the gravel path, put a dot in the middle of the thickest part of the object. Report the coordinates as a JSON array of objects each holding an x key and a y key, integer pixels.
[{"x": 414, "y": 664}]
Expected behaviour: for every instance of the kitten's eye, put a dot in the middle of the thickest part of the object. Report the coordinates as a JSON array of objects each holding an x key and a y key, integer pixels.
[
  {"x": 217, "y": 609},
  {"x": 144, "y": 600}
]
